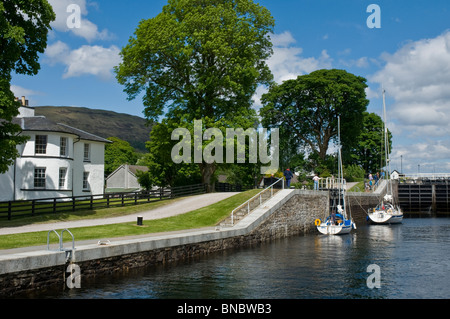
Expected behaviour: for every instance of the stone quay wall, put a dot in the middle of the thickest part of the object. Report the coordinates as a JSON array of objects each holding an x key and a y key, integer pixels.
[{"x": 288, "y": 213}]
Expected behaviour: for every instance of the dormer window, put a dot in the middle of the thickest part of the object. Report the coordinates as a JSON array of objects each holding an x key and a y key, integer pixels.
[{"x": 40, "y": 144}]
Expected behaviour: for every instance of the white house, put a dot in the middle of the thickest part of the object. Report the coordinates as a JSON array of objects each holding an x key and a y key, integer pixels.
[
  {"x": 57, "y": 161},
  {"x": 124, "y": 179},
  {"x": 396, "y": 175}
]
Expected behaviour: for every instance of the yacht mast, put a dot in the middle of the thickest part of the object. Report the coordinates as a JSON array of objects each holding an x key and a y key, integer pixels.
[{"x": 386, "y": 146}]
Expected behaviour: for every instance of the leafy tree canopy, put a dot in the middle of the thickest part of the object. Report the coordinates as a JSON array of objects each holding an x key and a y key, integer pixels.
[
  {"x": 23, "y": 34},
  {"x": 200, "y": 59},
  {"x": 308, "y": 109},
  {"x": 369, "y": 152},
  {"x": 162, "y": 170},
  {"x": 117, "y": 153}
]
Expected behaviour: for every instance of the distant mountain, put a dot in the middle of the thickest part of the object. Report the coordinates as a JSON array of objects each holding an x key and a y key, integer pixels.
[{"x": 130, "y": 128}]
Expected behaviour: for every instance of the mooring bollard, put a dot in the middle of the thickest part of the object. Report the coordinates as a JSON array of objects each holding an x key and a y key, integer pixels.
[{"x": 139, "y": 220}]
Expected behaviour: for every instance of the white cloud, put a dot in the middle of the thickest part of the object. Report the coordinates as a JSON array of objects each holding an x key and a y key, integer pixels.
[
  {"x": 283, "y": 39},
  {"x": 360, "y": 63},
  {"x": 21, "y": 91},
  {"x": 87, "y": 30},
  {"x": 371, "y": 93},
  {"x": 417, "y": 77},
  {"x": 431, "y": 156},
  {"x": 29, "y": 94},
  {"x": 287, "y": 63},
  {"x": 94, "y": 60}
]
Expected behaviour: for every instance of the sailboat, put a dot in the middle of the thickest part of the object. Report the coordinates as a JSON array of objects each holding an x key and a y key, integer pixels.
[
  {"x": 337, "y": 223},
  {"x": 386, "y": 212}
]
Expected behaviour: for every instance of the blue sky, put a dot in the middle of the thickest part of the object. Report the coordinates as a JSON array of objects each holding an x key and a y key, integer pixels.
[{"x": 409, "y": 55}]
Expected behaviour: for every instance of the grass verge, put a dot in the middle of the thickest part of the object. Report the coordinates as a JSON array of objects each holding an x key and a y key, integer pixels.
[
  {"x": 203, "y": 217},
  {"x": 358, "y": 187}
]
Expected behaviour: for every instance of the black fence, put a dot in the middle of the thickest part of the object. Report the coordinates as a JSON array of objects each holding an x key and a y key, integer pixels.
[
  {"x": 34, "y": 207},
  {"x": 227, "y": 187}
]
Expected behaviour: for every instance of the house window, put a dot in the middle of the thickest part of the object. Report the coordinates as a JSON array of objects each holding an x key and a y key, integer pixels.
[
  {"x": 63, "y": 146},
  {"x": 62, "y": 177},
  {"x": 85, "y": 180},
  {"x": 87, "y": 152},
  {"x": 40, "y": 144},
  {"x": 39, "y": 177}
]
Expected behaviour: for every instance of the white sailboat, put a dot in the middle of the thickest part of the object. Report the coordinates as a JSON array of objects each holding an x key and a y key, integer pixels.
[
  {"x": 386, "y": 212},
  {"x": 337, "y": 223}
]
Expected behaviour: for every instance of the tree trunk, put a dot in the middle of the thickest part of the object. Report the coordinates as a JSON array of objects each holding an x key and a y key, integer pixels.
[{"x": 207, "y": 171}]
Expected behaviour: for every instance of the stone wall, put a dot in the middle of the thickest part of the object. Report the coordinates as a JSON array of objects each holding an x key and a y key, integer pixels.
[
  {"x": 295, "y": 217},
  {"x": 359, "y": 203}
]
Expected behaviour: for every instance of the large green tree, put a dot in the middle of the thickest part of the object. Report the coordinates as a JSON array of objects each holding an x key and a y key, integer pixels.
[
  {"x": 23, "y": 34},
  {"x": 200, "y": 60},
  {"x": 117, "y": 153},
  {"x": 370, "y": 151},
  {"x": 162, "y": 171},
  {"x": 307, "y": 108}
]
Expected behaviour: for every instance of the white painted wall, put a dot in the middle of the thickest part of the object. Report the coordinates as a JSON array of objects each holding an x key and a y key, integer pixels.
[
  {"x": 95, "y": 166},
  {"x": 52, "y": 161}
]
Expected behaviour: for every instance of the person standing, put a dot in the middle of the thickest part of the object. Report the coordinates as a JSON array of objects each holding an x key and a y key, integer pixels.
[
  {"x": 316, "y": 182},
  {"x": 288, "y": 175}
]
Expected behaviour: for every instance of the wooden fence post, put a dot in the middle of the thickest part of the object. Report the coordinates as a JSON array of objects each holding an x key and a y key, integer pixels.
[
  {"x": 32, "y": 207},
  {"x": 9, "y": 210},
  {"x": 173, "y": 192}
]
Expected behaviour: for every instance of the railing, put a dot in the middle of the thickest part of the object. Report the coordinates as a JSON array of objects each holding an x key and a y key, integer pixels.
[
  {"x": 331, "y": 183},
  {"x": 430, "y": 176},
  {"x": 258, "y": 198},
  {"x": 89, "y": 202}
]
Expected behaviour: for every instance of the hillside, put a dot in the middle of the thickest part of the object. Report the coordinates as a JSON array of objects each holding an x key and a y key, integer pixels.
[{"x": 130, "y": 128}]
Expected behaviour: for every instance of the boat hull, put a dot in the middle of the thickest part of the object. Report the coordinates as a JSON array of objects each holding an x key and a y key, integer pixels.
[
  {"x": 382, "y": 217},
  {"x": 330, "y": 229}
]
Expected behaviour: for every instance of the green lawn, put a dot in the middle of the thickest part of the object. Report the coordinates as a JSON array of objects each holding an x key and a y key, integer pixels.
[
  {"x": 358, "y": 187},
  {"x": 203, "y": 217}
]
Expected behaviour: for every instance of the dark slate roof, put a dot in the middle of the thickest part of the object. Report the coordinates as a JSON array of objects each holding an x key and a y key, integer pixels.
[{"x": 42, "y": 124}]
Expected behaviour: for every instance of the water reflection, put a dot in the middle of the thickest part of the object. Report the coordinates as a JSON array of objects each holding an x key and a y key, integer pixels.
[{"x": 412, "y": 257}]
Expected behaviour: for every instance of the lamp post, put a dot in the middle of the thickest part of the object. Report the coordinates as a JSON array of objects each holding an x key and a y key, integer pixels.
[{"x": 401, "y": 164}]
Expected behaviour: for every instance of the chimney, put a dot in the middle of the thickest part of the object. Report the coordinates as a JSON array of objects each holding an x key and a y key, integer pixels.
[{"x": 24, "y": 102}]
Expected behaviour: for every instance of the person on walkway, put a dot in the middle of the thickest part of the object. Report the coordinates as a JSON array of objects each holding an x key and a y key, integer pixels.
[
  {"x": 316, "y": 182},
  {"x": 288, "y": 175}
]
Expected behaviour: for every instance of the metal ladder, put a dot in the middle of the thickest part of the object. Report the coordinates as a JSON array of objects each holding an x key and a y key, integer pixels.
[{"x": 69, "y": 251}]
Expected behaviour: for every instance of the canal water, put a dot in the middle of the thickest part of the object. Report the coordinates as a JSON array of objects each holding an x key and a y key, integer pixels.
[{"x": 411, "y": 260}]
